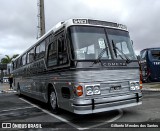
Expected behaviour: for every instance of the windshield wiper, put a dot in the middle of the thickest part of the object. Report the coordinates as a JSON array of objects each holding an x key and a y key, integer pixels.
[
  {"x": 100, "y": 56},
  {"x": 115, "y": 48}
]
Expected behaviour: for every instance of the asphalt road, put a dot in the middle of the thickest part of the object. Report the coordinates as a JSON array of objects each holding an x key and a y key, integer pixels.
[{"x": 26, "y": 110}]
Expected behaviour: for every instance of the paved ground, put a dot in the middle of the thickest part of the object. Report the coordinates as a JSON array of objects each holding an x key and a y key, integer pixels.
[
  {"x": 154, "y": 86},
  {"x": 17, "y": 110},
  {"x": 5, "y": 88}
]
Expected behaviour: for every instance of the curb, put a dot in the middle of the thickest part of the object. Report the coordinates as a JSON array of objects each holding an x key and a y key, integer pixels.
[
  {"x": 150, "y": 89},
  {"x": 8, "y": 91}
]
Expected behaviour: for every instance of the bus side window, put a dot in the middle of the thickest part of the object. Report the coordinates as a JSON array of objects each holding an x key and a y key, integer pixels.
[
  {"x": 42, "y": 49},
  {"x": 14, "y": 64},
  {"x": 52, "y": 54},
  {"x": 19, "y": 62},
  {"x": 143, "y": 56},
  {"x": 62, "y": 51},
  {"x": 24, "y": 59},
  {"x": 37, "y": 52},
  {"x": 30, "y": 56}
]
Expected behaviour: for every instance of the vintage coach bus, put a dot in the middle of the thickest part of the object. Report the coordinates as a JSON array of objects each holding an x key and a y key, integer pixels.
[{"x": 81, "y": 65}]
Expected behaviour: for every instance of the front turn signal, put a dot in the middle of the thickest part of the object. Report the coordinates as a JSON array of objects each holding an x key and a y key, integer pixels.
[{"x": 79, "y": 90}]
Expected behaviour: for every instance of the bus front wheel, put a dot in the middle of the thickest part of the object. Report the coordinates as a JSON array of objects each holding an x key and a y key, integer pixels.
[{"x": 53, "y": 102}]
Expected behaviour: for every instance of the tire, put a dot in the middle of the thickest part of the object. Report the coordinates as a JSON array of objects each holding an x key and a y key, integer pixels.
[{"x": 53, "y": 102}]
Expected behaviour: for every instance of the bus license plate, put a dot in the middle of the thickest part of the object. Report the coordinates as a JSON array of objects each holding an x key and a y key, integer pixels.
[{"x": 115, "y": 88}]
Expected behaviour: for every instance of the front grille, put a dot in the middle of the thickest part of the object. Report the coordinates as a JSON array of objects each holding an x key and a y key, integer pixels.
[{"x": 106, "y": 88}]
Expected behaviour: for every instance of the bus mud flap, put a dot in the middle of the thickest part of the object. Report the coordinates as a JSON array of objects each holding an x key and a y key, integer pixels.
[
  {"x": 137, "y": 97},
  {"x": 93, "y": 105}
]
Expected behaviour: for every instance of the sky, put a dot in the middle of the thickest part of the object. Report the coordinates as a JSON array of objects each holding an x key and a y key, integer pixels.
[{"x": 18, "y": 20}]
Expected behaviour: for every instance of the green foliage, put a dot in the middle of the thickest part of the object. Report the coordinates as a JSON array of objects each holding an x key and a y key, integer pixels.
[
  {"x": 15, "y": 55},
  {"x": 8, "y": 59}
]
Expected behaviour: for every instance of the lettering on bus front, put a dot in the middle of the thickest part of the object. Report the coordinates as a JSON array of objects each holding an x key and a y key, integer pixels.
[
  {"x": 79, "y": 21},
  {"x": 115, "y": 64},
  {"x": 156, "y": 63}
]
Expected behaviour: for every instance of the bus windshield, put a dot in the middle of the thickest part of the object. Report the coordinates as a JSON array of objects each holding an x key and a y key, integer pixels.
[
  {"x": 90, "y": 42},
  {"x": 121, "y": 44},
  {"x": 155, "y": 54}
]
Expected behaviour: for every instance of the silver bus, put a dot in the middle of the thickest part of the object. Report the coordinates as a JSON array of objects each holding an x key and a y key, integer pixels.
[{"x": 83, "y": 66}]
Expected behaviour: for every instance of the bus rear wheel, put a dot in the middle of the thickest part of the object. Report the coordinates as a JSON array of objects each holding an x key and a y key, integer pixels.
[{"x": 53, "y": 102}]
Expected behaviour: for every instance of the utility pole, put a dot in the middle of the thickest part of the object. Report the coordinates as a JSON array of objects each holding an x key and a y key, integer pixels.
[{"x": 41, "y": 19}]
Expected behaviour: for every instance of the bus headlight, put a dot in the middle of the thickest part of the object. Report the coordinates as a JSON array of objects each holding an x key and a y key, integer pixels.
[
  {"x": 96, "y": 90},
  {"x": 134, "y": 85},
  {"x": 89, "y": 90},
  {"x": 93, "y": 90}
]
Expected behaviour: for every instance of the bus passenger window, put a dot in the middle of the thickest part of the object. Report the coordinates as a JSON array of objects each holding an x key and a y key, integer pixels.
[
  {"x": 62, "y": 51},
  {"x": 30, "y": 56},
  {"x": 19, "y": 62},
  {"x": 14, "y": 64},
  {"x": 37, "y": 51},
  {"x": 52, "y": 54},
  {"x": 24, "y": 59},
  {"x": 42, "y": 49}
]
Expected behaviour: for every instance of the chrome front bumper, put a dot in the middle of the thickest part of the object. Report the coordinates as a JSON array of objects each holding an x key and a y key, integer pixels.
[{"x": 89, "y": 106}]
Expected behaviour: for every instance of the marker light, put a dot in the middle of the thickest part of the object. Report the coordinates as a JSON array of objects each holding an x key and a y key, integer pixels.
[
  {"x": 140, "y": 81},
  {"x": 140, "y": 84}
]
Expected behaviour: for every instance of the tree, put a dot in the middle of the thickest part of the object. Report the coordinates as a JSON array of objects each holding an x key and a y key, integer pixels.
[
  {"x": 14, "y": 56},
  {"x": 8, "y": 59}
]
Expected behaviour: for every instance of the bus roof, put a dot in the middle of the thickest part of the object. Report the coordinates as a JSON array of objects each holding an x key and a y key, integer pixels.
[
  {"x": 70, "y": 22},
  {"x": 91, "y": 22},
  {"x": 150, "y": 48}
]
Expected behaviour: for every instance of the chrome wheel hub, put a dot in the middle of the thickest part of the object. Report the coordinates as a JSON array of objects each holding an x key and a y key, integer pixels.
[{"x": 53, "y": 100}]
